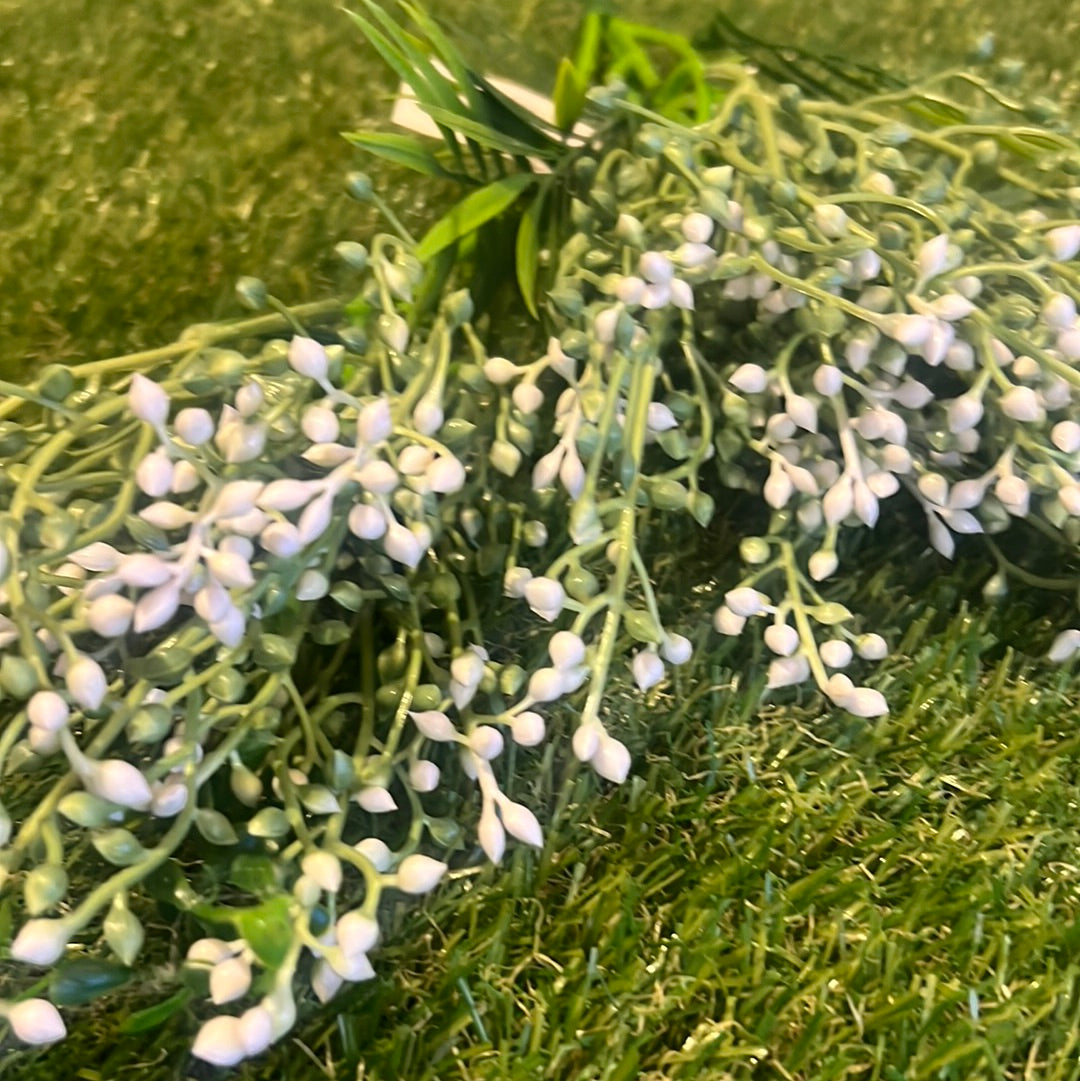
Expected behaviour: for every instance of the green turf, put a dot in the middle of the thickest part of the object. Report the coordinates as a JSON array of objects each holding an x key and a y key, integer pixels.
[{"x": 777, "y": 894}]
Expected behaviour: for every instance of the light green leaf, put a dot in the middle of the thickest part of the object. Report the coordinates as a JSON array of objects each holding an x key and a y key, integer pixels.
[
  {"x": 569, "y": 95},
  {"x": 490, "y": 137},
  {"x": 472, "y": 212}
]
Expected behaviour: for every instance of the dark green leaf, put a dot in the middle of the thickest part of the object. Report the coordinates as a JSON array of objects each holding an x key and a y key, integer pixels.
[
  {"x": 402, "y": 150},
  {"x": 527, "y": 250},
  {"x": 492, "y": 138},
  {"x": 77, "y": 982},
  {"x": 472, "y": 212},
  {"x": 156, "y": 1015}
]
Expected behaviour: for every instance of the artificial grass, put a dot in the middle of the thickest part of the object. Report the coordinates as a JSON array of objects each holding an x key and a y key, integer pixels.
[{"x": 776, "y": 894}]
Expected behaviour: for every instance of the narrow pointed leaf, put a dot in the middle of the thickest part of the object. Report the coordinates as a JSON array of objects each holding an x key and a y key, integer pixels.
[
  {"x": 402, "y": 150},
  {"x": 527, "y": 253},
  {"x": 472, "y": 212},
  {"x": 569, "y": 95},
  {"x": 490, "y": 137}
]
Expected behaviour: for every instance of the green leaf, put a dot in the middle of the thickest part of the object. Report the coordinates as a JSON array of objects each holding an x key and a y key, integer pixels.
[
  {"x": 569, "y": 95},
  {"x": 642, "y": 626},
  {"x": 254, "y": 874},
  {"x": 156, "y": 1015},
  {"x": 491, "y": 137},
  {"x": 215, "y": 827},
  {"x": 527, "y": 250},
  {"x": 402, "y": 150},
  {"x": 267, "y": 929},
  {"x": 77, "y": 982},
  {"x": 473, "y": 211}
]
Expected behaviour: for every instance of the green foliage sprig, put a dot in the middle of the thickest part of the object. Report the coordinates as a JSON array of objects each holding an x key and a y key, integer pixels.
[{"x": 256, "y": 590}]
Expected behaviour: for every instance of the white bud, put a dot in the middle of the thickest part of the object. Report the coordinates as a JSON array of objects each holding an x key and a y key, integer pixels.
[
  {"x": 951, "y": 307},
  {"x": 682, "y": 296},
  {"x": 802, "y": 411},
  {"x": 659, "y": 418},
  {"x": 97, "y": 557},
  {"x": 828, "y": 379},
  {"x": 446, "y": 474},
  {"x": 428, "y": 415},
  {"x": 697, "y": 227},
  {"x": 940, "y": 537},
  {"x": 647, "y": 668},
  {"x": 546, "y": 685},
  {"x": 309, "y": 358},
  {"x": 839, "y": 501},
  {"x": 286, "y": 494},
  {"x": 419, "y": 874},
  {"x": 148, "y": 401},
  {"x": 312, "y": 585},
  {"x": 1022, "y": 404},
  {"x": 357, "y": 933},
  {"x": 220, "y": 1041},
  {"x": 787, "y": 671},
  {"x": 835, "y": 653},
  {"x": 871, "y": 647},
  {"x": 572, "y": 474},
  {"x": 865, "y": 702},
  {"x": 48, "y": 711},
  {"x": 656, "y": 267},
  {"x": 167, "y": 516},
  {"x": 119, "y": 782},
  {"x": 1064, "y": 242},
  {"x": 1064, "y": 646},
  {"x": 36, "y": 1021},
  {"x": 586, "y": 740},
  {"x": 376, "y": 800},
  {"x": 1065, "y": 435},
  {"x": 676, "y": 649},
  {"x": 778, "y": 488},
  {"x": 521, "y": 823},
  {"x": 822, "y": 564},
  {"x": 782, "y": 639},
  {"x": 964, "y": 412},
  {"x": 433, "y": 724},
  {"x": 527, "y": 728},
  {"x": 611, "y": 759},
  {"x": 154, "y": 474},
  {"x": 229, "y": 980},
  {"x": 248, "y": 399},
  {"x": 1015, "y": 494},
  {"x": 932, "y": 258},
  {"x": 375, "y": 423},
  {"x": 194, "y": 426},
  {"x": 749, "y": 378},
  {"x": 169, "y": 797},
  {"x": 725, "y": 621},
  {"x": 231, "y": 570},
  {"x": 316, "y": 517},
  {"x": 490, "y": 834},
  {"x": 1059, "y": 311},
  {"x": 423, "y": 776},
  {"x": 256, "y": 1030},
  {"x": 282, "y": 539},
  {"x": 376, "y": 852},
  {"x": 86, "y": 682},
  {"x": 40, "y": 941},
  {"x": 1069, "y": 497},
  {"x": 745, "y": 601},
  {"x": 367, "y": 522},
  {"x": 394, "y": 332},
  {"x": 515, "y": 580},
  {"x": 499, "y": 370},
  {"x": 110, "y": 615},
  {"x": 325, "y": 982},
  {"x": 545, "y": 596},
  {"x": 566, "y": 649},
  {"x": 324, "y": 868}
]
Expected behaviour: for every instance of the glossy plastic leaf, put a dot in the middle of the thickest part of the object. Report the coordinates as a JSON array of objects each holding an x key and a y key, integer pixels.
[
  {"x": 472, "y": 212},
  {"x": 77, "y": 982},
  {"x": 267, "y": 929},
  {"x": 490, "y": 137}
]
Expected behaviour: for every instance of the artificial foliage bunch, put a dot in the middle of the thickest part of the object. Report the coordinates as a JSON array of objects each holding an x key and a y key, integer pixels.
[{"x": 277, "y": 599}]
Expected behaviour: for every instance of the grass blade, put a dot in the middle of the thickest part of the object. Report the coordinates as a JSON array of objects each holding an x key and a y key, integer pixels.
[
  {"x": 403, "y": 150},
  {"x": 527, "y": 250}
]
